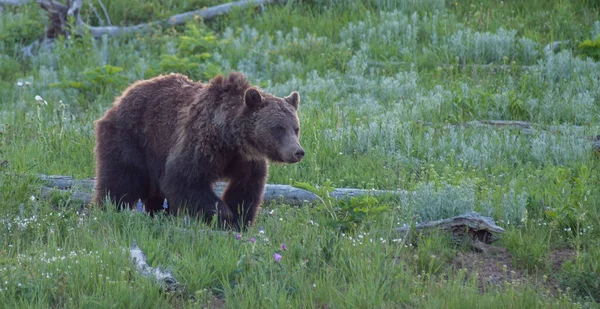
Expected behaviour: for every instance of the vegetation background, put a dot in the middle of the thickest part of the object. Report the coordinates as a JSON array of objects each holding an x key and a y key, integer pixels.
[{"x": 387, "y": 88}]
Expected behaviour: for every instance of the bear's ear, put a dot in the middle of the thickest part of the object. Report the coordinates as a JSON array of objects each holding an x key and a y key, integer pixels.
[
  {"x": 252, "y": 98},
  {"x": 293, "y": 99}
]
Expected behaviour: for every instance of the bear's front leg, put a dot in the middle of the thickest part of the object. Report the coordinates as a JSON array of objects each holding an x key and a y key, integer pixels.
[
  {"x": 195, "y": 195},
  {"x": 187, "y": 186},
  {"x": 199, "y": 200},
  {"x": 244, "y": 194}
]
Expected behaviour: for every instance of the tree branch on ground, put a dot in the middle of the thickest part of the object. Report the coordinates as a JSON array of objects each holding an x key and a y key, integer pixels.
[
  {"x": 163, "y": 277},
  {"x": 100, "y": 20},
  {"x": 105, "y": 12},
  {"x": 58, "y": 15}
]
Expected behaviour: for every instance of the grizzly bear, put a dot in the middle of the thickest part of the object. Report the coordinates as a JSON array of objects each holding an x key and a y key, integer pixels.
[{"x": 171, "y": 138}]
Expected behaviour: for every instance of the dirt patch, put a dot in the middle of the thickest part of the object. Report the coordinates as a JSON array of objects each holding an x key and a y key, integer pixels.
[
  {"x": 559, "y": 256},
  {"x": 496, "y": 270}
]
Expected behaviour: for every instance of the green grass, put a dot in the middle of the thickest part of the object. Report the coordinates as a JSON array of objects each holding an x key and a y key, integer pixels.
[{"x": 386, "y": 88}]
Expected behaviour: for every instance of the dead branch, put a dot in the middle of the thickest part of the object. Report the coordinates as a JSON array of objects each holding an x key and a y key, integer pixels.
[
  {"x": 96, "y": 13},
  {"x": 58, "y": 15},
  {"x": 204, "y": 14},
  {"x": 74, "y": 8},
  {"x": 105, "y": 12},
  {"x": 163, "y": 277}
]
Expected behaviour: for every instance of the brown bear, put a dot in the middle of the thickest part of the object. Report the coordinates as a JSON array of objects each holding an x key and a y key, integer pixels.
[{"x": 171, "y": 138}]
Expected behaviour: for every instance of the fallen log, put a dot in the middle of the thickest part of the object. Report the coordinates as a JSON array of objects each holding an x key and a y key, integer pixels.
[
  {"x": 81, "y": 190},
  {"x": 471, "y": 226},
  {"x": 59, "y": 13}
]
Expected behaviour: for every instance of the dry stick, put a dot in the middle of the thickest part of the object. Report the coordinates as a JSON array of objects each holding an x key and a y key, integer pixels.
[
  {"x": 95, "y": 12},
  {"x": 75, "y": 7},
  {"x": 105, "y": 12}
]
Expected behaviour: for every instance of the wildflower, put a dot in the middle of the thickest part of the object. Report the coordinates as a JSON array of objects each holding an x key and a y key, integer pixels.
[
  {"x": 283, "y": 247},
  {"x": 277, "y": 257},
  {"x": 140, "y": 207},
  {"x": 20, "y": 83},
  {"x": 41, "y": 100},
  {"x": 238, "y": 236},
  {"x": 165, "y": 205},
  {"x": 252, "y": 240}
]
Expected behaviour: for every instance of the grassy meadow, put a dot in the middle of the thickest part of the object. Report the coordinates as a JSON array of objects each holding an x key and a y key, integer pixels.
[{"x": 389, "y": 93}]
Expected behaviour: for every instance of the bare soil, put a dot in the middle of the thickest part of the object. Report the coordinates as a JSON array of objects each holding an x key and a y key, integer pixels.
[{"x": 494, "y": 271}]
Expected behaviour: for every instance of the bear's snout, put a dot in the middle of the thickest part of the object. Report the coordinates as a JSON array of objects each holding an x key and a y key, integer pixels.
[
  {"x": 296, "y": 154},
  {"x": 299, "y": 154},
  {"x": 292, "y": 154}
]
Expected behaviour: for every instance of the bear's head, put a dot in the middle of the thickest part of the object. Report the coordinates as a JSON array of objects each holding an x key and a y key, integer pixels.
[{"x": 275, "y": 130}]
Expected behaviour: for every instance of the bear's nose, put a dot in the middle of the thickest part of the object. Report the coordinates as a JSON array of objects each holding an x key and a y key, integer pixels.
[{"x": 299, "y": 154}]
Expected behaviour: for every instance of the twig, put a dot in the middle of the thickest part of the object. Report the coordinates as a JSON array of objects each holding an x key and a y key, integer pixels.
[
  {"x": 105, "y": 12},
  {"x": 96, "y": 12},
  {"x": 74, "y": 9}
]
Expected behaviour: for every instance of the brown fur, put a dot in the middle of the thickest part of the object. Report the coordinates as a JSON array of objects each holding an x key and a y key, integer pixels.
[{"x": 170, "y": 137}]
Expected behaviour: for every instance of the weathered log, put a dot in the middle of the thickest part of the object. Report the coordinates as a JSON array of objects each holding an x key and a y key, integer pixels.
[
  {"x": 470, "y": 225},
  {"x": 58, "y": 14},
  {"x": 81, "y": 191}
]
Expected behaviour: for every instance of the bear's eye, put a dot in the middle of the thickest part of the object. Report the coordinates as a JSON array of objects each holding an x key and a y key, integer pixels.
[
  {"x": 296, "y": 130},
  {"x": 279, "y": 129}
]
